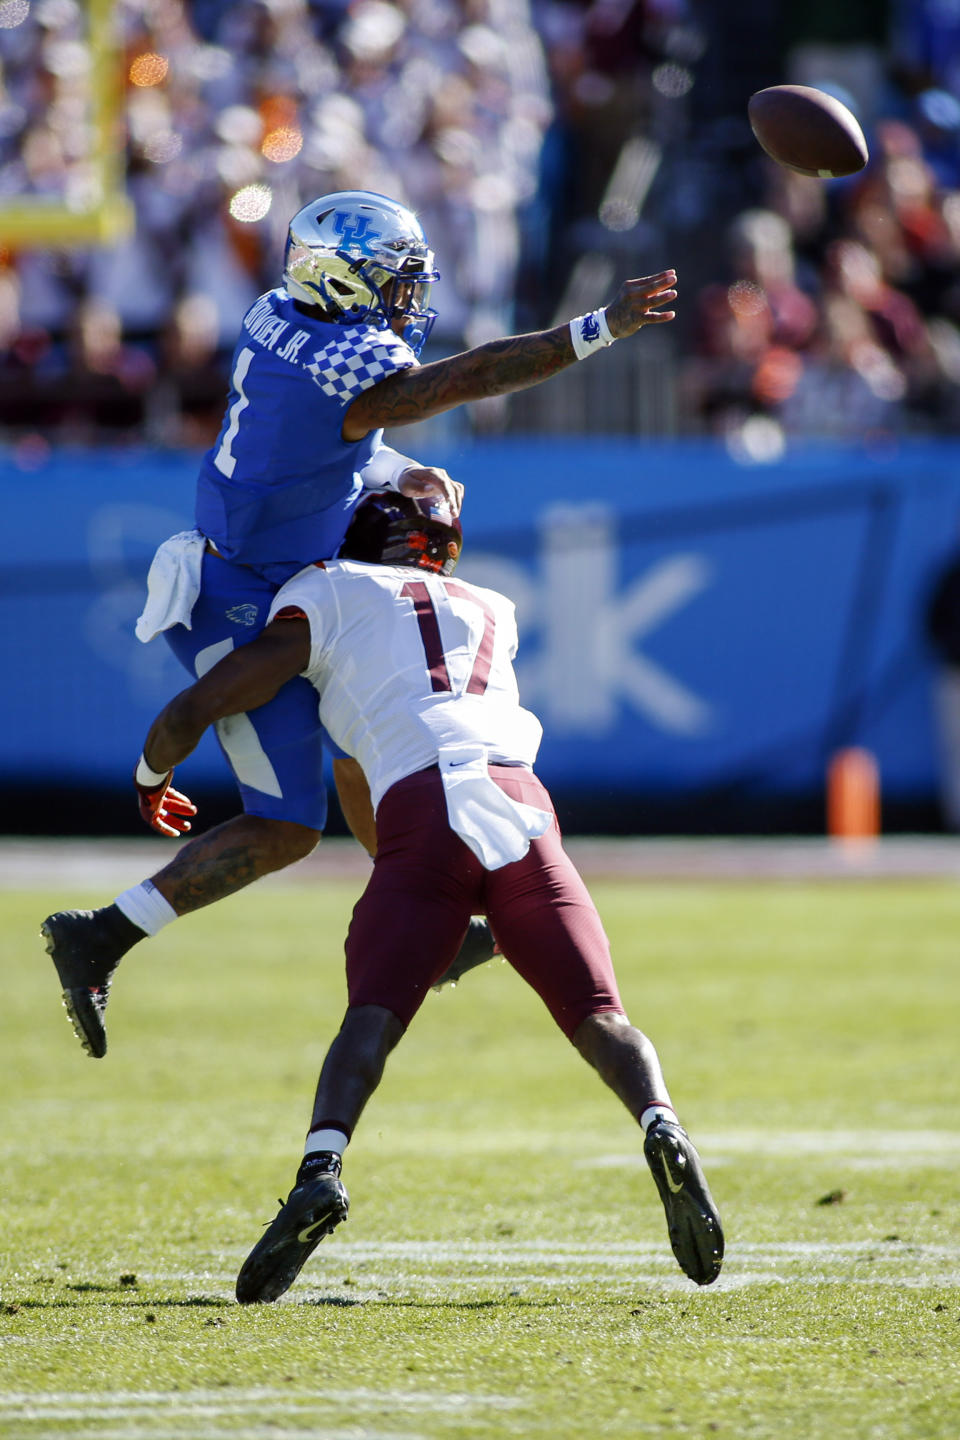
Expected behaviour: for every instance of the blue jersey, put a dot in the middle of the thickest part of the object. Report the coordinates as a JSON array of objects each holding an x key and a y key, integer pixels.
[{"x": 278, "y": 488}]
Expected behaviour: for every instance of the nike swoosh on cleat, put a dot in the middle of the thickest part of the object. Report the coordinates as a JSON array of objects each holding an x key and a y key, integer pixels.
[
  {"x": 672, "y": 1186},
  {"x": 309, "y": 1232}
]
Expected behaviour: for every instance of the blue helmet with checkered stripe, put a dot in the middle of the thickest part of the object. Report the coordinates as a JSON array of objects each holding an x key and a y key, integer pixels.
[{"x": 363, "y": 259}]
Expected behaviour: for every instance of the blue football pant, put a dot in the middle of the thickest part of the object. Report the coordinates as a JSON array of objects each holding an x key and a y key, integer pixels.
[{"x": 276, "y": 751}]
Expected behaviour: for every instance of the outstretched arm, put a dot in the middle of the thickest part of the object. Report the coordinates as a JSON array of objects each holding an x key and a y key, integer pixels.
[
  {"x": 500, "y": 366},
  {"x": 242, "y": 680}
]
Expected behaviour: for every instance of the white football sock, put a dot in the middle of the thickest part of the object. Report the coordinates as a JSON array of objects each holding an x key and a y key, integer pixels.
[
  {"x": 146, "y": 907},
  {"x": 318, "y": 1140},
  {"x": 657, "y": 1112}
]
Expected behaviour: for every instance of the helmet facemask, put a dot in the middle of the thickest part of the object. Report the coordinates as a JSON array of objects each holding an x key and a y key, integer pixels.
[{"x": 407, "y": 294}]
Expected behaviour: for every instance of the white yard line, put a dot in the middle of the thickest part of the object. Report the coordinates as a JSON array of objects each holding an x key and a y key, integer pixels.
[
  {"x": 208, "y": 1404},
  {"x": 855, "y": 1147},
  {"x": 442, "y": 1252},
  {"x": 384, "y": 1271},
  {"x": 128, "y": 1428},
  {"x": 61, "y": 864},
  {"x": 207, "y": 1425}
]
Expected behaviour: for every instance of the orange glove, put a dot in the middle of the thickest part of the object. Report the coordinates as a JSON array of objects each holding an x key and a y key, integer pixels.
[{"x": 162, "y": 808}]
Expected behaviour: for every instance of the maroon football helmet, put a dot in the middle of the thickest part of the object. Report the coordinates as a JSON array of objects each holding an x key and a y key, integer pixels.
[{"x": 392, "y": 529}]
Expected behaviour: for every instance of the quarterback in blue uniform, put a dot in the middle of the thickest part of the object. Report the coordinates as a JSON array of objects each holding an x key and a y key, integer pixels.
[
  {"x": 278, "y": 487},
  {"x": 321, "y": 367}
]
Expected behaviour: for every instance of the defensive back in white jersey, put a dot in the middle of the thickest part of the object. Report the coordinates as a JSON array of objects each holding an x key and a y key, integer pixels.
[{"x": 408, "y": 665}]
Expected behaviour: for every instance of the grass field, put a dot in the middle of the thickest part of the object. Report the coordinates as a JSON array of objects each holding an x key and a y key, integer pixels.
[{"x": 505, "y": 1270}]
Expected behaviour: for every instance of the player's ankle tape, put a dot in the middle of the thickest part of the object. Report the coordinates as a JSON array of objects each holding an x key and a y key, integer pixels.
[{"x": 146, "y": 908}]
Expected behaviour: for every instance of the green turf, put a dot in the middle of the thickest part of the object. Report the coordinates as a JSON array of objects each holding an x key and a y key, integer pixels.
[{"x": 505, "y": 1270}]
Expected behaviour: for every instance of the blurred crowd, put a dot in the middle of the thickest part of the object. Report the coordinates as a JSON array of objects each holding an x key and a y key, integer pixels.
[
  {"x": 549, "y": 146},
  {"x": 834, "y": 309},
  {"x": 840, "y": 313},
  {"x": 236, "y": 115}
]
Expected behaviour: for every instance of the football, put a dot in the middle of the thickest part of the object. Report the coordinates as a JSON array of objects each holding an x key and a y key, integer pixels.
[{"x": 808, "y": 131}]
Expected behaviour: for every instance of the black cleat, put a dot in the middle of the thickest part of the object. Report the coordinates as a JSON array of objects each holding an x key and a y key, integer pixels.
[
  {"x": 86, "y": 947},
  {"x": 693, "y": 1223},
  {"x": 478, "y": 947},
  {"x": 314, "y": 1208}
]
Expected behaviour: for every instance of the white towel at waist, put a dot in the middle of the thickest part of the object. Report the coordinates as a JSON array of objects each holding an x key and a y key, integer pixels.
[
  {"x": 497, "y": 829},
  {"x": 173, "y": 584}
]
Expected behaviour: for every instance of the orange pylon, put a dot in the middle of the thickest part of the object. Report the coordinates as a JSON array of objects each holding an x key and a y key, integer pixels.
[{"x": 853, "y": 795}]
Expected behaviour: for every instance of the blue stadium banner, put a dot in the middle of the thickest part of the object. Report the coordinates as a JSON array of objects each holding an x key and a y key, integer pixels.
[{"x": 687, "y": 623}]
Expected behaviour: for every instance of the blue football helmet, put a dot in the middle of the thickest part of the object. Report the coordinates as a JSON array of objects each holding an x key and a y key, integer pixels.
[{"x": 363, "y": 259}]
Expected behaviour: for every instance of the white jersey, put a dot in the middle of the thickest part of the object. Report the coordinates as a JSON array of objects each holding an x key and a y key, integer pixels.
[{"x": 409, "y": 665}]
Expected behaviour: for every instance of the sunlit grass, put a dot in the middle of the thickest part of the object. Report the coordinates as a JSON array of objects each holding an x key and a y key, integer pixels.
[{"x": 505, "y": 1269}]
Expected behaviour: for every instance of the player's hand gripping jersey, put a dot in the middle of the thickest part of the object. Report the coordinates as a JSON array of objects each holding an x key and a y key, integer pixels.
[
  {"x": 278, "y": 487},
  {"x": 414, "y": 669}
]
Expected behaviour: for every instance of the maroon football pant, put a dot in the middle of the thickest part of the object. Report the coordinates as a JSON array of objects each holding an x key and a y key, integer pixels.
[{"x": 410, "y": 921}]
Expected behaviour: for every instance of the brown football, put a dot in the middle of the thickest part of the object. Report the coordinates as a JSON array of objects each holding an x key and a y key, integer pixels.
[{"x": 808, "y": 131}]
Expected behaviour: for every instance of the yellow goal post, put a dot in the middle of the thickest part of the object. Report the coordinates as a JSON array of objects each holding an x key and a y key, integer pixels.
[{"x": 107, "y": 214}]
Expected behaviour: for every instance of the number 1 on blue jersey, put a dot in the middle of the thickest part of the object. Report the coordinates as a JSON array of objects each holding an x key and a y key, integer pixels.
[{"x": 225, "y": 460}]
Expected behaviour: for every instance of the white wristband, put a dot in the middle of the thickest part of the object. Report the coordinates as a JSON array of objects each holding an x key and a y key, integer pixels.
[
  {"x": 384, "y": 469},
  {"x": 590, "y": 332},
  {"x": 148, "y": 778}
]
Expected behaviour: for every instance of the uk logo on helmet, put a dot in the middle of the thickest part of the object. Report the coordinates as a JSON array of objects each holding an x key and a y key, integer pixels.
[{"x": 355, "y": 232}]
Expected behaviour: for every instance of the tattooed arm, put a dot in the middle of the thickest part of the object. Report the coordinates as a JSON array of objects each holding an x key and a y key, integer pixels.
[{"x": 500, "y": 366}]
